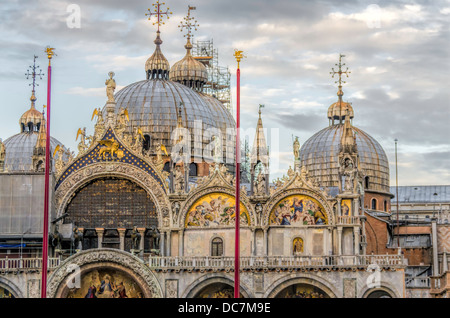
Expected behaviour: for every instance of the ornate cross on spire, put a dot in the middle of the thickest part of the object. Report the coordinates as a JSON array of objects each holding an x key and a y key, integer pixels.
[
  {"x": 158, "y": 13},
  {"x": 189, "y": 23},
  {"x": 340, "y": 72},
  {"x": 34, "y": 72}
]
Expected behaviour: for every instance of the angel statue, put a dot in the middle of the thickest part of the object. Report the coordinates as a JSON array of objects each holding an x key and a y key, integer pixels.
[
  {"x": 110, "y": 87},
  {"x": 82, "y": 144},
  {"x": 59, "y": 164}
]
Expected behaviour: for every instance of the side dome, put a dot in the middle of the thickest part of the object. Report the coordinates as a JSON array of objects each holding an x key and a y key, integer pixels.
[
  {"x": 19, "y": 151},
  {"x": 189, "y": 71},
  {"x": 319, "y": 154}
]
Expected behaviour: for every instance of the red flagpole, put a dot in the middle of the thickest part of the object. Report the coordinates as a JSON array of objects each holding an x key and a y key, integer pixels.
[
  {"x": 237, "y": 204},
  {"x": 50, "y": 53}
]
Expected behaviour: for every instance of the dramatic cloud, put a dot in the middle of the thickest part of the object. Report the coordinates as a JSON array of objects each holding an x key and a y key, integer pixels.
[{"x": 397, "y": 52}]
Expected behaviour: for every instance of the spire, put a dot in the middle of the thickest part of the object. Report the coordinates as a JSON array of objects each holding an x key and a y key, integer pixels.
[
  {"x": 259, "y": 151},
  {"x": 339, "y": 110},
  {"x": 348, "y": 139},
  {"x": 189, "y": 71},
  {"x": 38, "y": 157},
  {"x": 259, "y": 156},
  {"x": 157, "y": 66}
]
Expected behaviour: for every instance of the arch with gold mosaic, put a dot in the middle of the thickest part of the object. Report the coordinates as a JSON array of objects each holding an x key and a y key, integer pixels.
[
  {"x": 110, "y": 149},
  {"x": 109, "y": 157},
  {"x": 215, "y": 207},
  {"x": 297, "y": 207}
]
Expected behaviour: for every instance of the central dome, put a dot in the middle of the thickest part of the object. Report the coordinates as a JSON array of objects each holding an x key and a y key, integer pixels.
[{"x": 153, "y": 105}]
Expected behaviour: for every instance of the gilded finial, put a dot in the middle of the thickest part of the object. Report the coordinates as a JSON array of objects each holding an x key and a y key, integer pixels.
[
  {"x": 50, "y": 53},
  {"x": 188, "y": 23},
  {"x": 158, "y": 13},
  {"x": 239, "y": 56},
  {"x": 260, "y": 106}
]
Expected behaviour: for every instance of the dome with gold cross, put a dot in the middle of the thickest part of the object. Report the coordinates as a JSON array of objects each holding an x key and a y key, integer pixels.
[
  {"x": 20, "y": 148},
  {"x": 161, "y": 101},
  {"x": 319, "y": 154}
]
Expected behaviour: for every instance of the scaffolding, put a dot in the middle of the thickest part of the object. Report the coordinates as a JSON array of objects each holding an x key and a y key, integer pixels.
[{"x": 219, "y": 77}]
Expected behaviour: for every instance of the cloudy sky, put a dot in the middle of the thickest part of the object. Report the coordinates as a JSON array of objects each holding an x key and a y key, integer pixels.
[{"x": 397, "y": 52}]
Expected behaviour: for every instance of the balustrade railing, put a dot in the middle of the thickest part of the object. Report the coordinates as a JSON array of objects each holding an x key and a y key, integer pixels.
[
  {"x": 7, "y": 264},
  {"x": 247, "y": 262},
  {"x": 418, "y": 282},
  {"x": 348, "y": 220}
]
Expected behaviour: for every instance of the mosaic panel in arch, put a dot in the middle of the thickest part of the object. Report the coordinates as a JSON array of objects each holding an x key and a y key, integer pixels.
[
  {"x": 346, "y": 207},
  {"x": 106, "y": 283},
  {"x": 302, "y": 291},
  {"x": 215, "y": 209},
  {"x": 298, "y": 209},
  {"x": 111, "y": 203},
  {"x": 5, "y": 293},
  {"x": 102, "y": 153}
]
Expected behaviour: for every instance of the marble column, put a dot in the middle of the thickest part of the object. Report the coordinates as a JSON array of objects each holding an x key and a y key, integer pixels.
[
  {"x": 169, "y": 243},
  {"x": 162, "y": 244},
  {"x": 356, "y": 239},
  {"x": 253, "y": 252},
  {"x": 141, "y": 231},
  {"x": 444, "y": 262},
  {"x": 122, "y": 238},
  {"x": 181, "y": 242},
  {"x": 435, "y": 247},
  {"x": 339, "y": 229},
  {"x": 100, "y": 232},
  {"x": 265, "y": 245}
]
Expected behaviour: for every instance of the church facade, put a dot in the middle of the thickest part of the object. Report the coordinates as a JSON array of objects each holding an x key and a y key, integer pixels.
[{"x": 139, "y": 211}]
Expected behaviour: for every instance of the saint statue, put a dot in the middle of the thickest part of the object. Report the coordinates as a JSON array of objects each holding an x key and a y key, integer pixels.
[
  {"x": 77, "y": 239},
  {"x": 2, "y": 151},
  {"x": 110, "y": 87},
  {"x": 217, "y": 151},
  {"x": 296, "y": 146},
  {"x": 261, "y": 184},
  {"x": 179, "y": 180}
]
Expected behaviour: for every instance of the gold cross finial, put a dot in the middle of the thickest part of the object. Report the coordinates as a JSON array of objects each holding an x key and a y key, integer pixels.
[
  {"x": 188, "y": 23},
  {"x": 159, "y": 14},
  {"x": 34, "y": 72},
  {"x": 239, "y": 56},
  {"x": 340, "y": 72}
]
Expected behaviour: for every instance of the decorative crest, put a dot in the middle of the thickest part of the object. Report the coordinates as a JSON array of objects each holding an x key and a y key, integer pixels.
[
  {"x": 340, "y": 71},
  {"x": 189, "y": 23},
  {"x": 158, "y": 13},
  {"x": 50, "y": 53},
  {"x": 239, "y": 56}
]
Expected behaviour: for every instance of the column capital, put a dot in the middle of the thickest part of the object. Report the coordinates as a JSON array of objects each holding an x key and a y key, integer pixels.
[
  {"x": 99, "y": 230},
  {"x": 121, "y": 231}
]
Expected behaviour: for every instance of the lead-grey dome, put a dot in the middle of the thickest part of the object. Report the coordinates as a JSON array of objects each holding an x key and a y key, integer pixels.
[
  {"x": 319, "y": 154},
  {"x": 19, "y": 151},
  {"x": 153, "y": 105}
]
